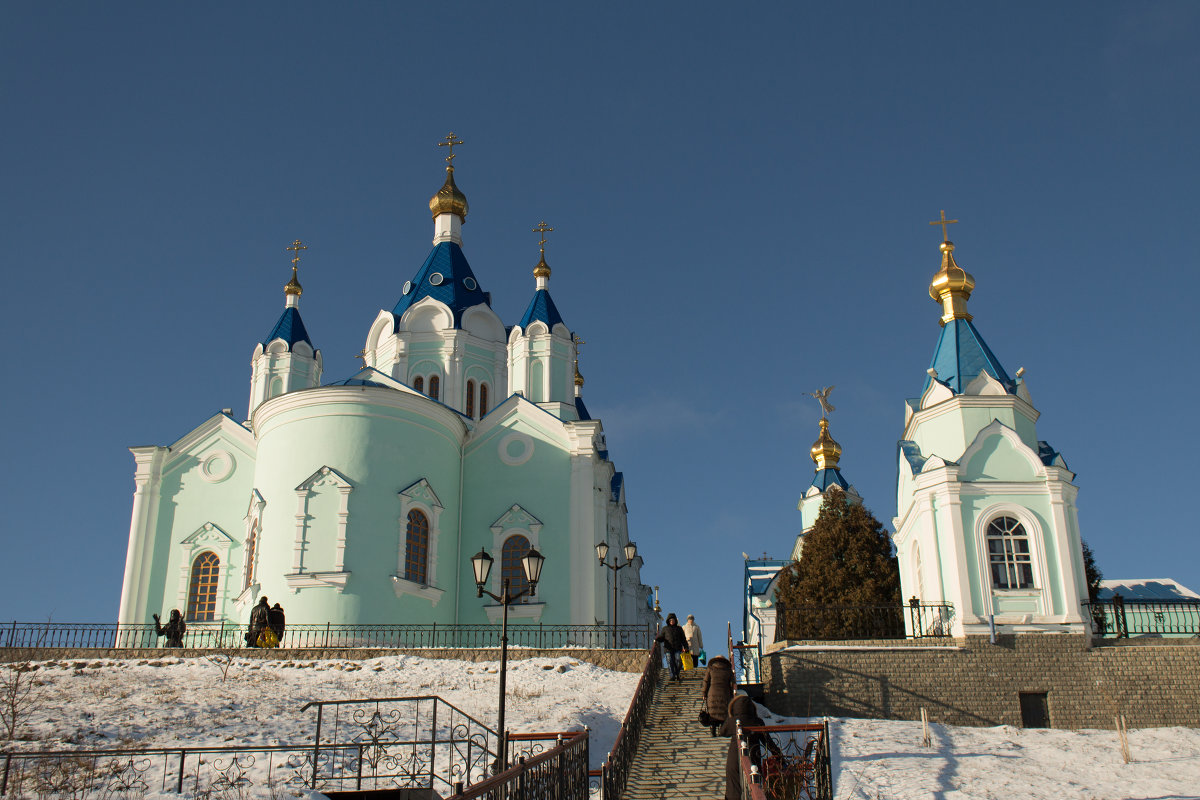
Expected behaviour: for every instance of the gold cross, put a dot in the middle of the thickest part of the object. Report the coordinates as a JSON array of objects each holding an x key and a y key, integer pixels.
[
  {"x": 362, "y": 355},
  {"x": 450, "y": 142},
  {"x": 575, "y": 337},
  {"x": 296, "y": 246},
  {"x": 944, "y": 222},
  {"x": 543, "y": 229}
]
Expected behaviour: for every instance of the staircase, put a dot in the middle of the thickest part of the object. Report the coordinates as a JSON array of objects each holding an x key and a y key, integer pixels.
[{"x": 676, "y": 755}]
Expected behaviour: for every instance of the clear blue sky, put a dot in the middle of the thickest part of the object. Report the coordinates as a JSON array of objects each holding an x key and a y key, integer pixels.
[{"x": 740, "y": 198}]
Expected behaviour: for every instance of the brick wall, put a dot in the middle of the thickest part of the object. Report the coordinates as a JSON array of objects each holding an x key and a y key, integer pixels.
[
  {"x": 617, "y": 660},
  {"x": 974, "y": 682}
]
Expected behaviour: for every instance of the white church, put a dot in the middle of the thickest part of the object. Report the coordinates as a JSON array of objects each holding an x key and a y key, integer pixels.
[
  {"x": 362, "y": 500},
  {"x": 986, "y": 520}
]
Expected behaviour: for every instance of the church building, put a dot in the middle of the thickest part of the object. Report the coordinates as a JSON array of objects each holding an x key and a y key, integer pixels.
[{"x": 362, "y": 500}]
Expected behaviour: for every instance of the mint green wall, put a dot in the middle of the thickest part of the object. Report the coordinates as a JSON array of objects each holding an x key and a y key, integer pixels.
[
  {"x": 948, "y": 435},
  {"x": 541, "y": 486},
  {"x": 381, "y": 450},
  {"x": 187, "y": 502}
]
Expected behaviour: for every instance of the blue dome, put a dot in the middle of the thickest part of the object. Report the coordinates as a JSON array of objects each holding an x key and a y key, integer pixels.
[
  {"x": 541, "y": 309},
  {"x": 290, "y": 328},
  {"x": 447, "y": 277},
  {"x": 961, "y": 355}
]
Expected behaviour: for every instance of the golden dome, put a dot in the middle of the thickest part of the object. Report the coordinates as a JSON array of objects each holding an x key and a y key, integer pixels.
[
  {"x": 542, "y": 270},
  {"x": 951, "y": 286},
  {"x": 578, "y": 375},
  {"x": 449, "y": 200},
  {"x": 825, "y": 451},
  {"x": 293, "y": 286}
]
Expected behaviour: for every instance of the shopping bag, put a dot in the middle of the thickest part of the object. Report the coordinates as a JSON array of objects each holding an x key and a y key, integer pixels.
[
  {"x": 688, "y": 663},
  {"x": 268, "y": 638},
  {"x": 703, "y": 659}
]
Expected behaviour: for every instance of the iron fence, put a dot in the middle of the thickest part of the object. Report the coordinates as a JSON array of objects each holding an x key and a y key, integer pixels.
[
  {"x": 560, "y": 773},
  {"x": 786, "y": 762},
  {"x": 915, "y": 620},
  {"x": 1119, "y": 618},
  {"x": 417, "y": 742},
  {"x": 227, "y": 634},
  {"x": 619, "y": 760},
  {"x": 746, "y": 662}
]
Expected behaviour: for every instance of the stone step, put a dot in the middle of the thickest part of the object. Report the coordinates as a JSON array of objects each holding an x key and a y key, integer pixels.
[{"x": 677, "y": 757}]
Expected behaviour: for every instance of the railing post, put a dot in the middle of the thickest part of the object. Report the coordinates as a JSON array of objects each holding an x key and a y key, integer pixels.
[
  {"x": 326, "y": 647},
  {"x": 1119, "y": 614},
  {"x": 182, "y": 767},
  {"x": 7, "y": 765},
  {"x": 317, "y": 742}
]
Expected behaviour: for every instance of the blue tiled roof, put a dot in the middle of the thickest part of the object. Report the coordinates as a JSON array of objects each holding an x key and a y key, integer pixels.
[
  {"x": 618, "y": 478},
  {"x": 581, "y": 409},
  {"x": 912, "y": 453},
  {"x": 828, "y": 477},
  {"x": 447, "y": 260},
  {"x": 358, "y": 382},
  {"x": 541, "y": 309},
  {"x": 290, "y": 328},
  {"x": 961, "y": 355}
]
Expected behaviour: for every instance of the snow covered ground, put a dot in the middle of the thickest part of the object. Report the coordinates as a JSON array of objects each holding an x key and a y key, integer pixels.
[{"x": 170, "y": 702}]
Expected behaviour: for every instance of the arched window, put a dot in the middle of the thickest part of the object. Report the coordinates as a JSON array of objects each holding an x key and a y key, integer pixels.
[
  {"x": 471, "y": 399},
  {"x": 202, "y": 589},
  {"x": 483, "y": 400},
  {"x": 434, "y": 382},
  {"x": 416, "y": 548},
  {"x": 419, "y": 384},
  {"x": 514, "y": 549},
  {"x": 251, "y": 545},
  {"x": 1008, "y": 554}
]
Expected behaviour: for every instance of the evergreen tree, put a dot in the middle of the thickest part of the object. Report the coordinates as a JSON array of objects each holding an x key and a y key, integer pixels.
[
  {"x": 1093, "y": 573},
  {"x": 847, "y": 560}
]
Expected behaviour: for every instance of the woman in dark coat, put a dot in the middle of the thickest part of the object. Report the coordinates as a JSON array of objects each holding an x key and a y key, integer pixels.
[
  {"x": 718, "y": 690},
  {"x": 742, "y": 710},
  {"x": 277, "y": 621}
]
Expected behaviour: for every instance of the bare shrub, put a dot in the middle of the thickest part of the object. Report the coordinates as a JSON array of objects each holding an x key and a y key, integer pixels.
[
  {"x": 221, "y": 661},
  {"x": 19, "y": 697}
]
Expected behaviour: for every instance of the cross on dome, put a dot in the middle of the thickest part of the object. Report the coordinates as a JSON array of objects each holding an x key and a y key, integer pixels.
[
  {"x": 450, "y": 142},
  {"x": 944, "y": 222}
]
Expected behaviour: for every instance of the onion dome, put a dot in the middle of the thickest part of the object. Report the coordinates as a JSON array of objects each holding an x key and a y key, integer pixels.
[
  {"x": 449, "y": 199},
  {"x": 293, "y": 286},
  {"x": 578, "y": 375},
  {"x": 825, "y": 451},
  {"x": 951, "y": 286},
  {"x": 542, "y": 270}
]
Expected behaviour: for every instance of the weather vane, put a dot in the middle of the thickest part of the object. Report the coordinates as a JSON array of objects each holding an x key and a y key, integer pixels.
[
  {"x": 450, "y": 142},
  {"x": 543, "y": 229},
  {"x": 944, "y": 222},
  {"x": 822, "y": 396},
  {"x": 296, "y": 247}
]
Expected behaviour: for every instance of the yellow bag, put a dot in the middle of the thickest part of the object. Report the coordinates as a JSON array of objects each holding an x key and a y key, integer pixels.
[
  {"x": 268, "y": 638},
  {"x": 688, "y": 661}
]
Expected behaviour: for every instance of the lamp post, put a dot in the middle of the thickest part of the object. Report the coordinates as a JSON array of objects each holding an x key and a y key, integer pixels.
[
  {"x": 630, "y": 555},
  {"x": 481, "y": 563}
]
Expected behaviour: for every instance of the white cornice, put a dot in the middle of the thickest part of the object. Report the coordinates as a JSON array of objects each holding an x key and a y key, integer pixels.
[
  {"x": 217, "y": 422},
  {"x": 365, "y": 396}
]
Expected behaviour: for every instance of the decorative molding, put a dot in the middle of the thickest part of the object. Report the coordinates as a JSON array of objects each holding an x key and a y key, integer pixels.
[
  {"x": 522, "y": 455},
  {"x": 207, "y": 537},
  {"x": 516, "y": 517},
  {"x": 419, "y": 496},
  {"x": 422, "y": 492},
  {"x": 404, "y": 587},
  {"x": 217, "y": 466},
  {"x": 309, "y": 580},
  {"x": 304, "y": 492}
]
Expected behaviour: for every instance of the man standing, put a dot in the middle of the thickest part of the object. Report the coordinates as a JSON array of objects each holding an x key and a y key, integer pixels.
[
  {"x": 694, "y": 637},
  {"x": 674, "y": 642},
  {"x": 259, "y": 620}
]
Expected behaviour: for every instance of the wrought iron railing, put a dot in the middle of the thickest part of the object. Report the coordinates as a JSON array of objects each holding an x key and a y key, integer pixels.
[
  {"x": 785, "y": 762},
  {"x": 899, "y": 621},
  {"x": 746, "y": 661},
  {"x": 420, "y": 742},
  {"x": 212, "y": 635},
  {"x": 619, "y": 760},
  {"x": 560, "y": 773},
  {"x": 1119, "y": 618}
]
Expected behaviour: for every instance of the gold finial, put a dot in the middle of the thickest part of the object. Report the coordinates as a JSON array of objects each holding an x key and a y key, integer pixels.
[
  {"x": 450, "y": 142},
  {"x": 952, "y": 285},
  {"x": 825, "y": 451},
  {"x": 293, "y": 286},
  {"x": 578, "y": 341},
  {"x": 542, "y": 270},
  {"x": 449, "y": 200},
  {"x": 944, "y": 222}
]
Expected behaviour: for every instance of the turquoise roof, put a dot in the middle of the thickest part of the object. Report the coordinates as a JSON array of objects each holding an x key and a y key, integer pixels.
[
  {"x": 910, "y": 452},
  {"x": 828, "y": 477},
  {"x": 447, "y": 277},
  {"x": 581, "y": 409},
  {"x": 290, "y": 328},
  {"x": 961, "y": 355},
  {"x": 541, "y": 309}
]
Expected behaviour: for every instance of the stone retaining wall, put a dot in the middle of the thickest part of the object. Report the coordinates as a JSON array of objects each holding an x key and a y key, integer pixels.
[
  {"x": 617, "y": 660},
  {"x": 970, "y": 681}
]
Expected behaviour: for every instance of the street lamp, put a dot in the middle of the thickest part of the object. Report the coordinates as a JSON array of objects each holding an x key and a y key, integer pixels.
[
  {"x": 481, "y": 564},
  {"x": 630, "y": 555}
]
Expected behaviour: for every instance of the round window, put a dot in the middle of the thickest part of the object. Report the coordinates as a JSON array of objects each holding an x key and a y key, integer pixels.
[
  {"x": 407, "y": 287},
  {"x": 436, "y": 279},
  {"x": 470, "y": 283}
]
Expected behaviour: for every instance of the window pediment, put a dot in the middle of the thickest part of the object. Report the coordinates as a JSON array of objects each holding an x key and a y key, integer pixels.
[
  {"x": 516, "y": 517},
  {"x": 208, "y": 535},
  {"x": 422, "y": 492}
]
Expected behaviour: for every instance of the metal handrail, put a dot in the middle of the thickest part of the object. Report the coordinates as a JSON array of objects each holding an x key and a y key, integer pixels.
[
  {"x": 912, "y": 620},
  {"x": 619, "y": 760},
  {"x": 560, "y": 773},
  {"x": 796, "y": 768},
  {"x": 1120, "y": 618}
]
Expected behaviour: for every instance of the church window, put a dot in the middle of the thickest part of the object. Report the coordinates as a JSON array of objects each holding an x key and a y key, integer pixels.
[
  {"x": 251, "y": 545},
  {"x": 483, "y": 400},
  {"x": 416, "y": 558},
  {"x": 1008, "y": 554},
  {"x": 202, "y": 590},
  {"x": 419, "y": 384},
  {"x": 515, "y": 548},
  {"x": 471, "y": 399},
  {"x": 434, "y": 382}
]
